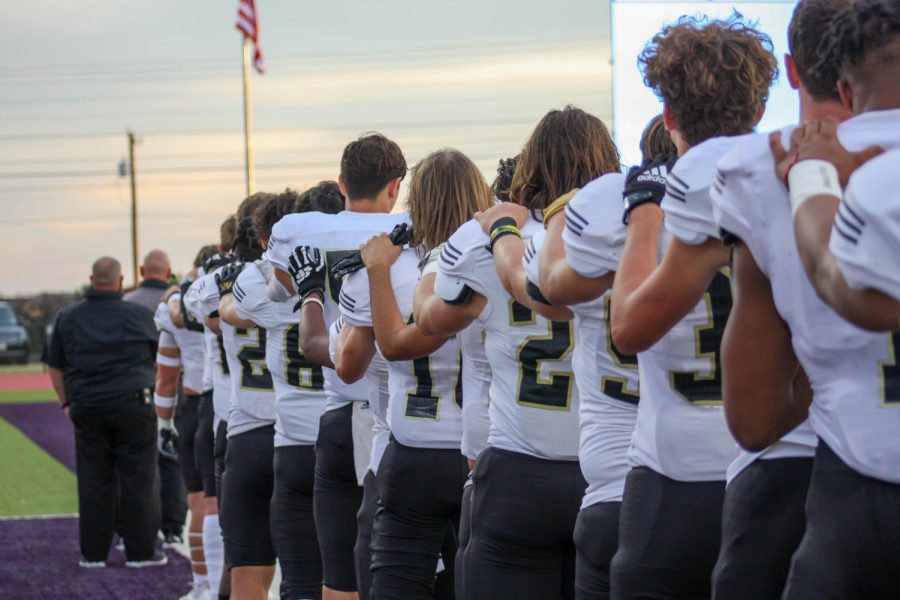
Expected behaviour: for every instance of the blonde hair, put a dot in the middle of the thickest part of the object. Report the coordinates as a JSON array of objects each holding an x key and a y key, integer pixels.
[{"x": 445, "y": 191}]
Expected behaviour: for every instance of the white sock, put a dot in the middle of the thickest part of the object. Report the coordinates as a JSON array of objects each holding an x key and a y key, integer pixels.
[{"x": 214, "y": 550}]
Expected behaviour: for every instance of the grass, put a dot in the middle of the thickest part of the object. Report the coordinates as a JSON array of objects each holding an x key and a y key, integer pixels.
[
  {"x": 31, "y": 481},
  {"x": 25, "y": 396},
  {"x": 14, "y": 369}
]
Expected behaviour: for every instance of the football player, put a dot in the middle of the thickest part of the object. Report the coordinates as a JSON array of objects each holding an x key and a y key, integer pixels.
[
  {"x": 838, "y": 240},
  {"x": 713, "y": 77},
  {"x": 247, "y": 478},
  {"x": 299, "y": 396},
  {"x": 422, "y": 472},
  {"x": 853, "y": 500},
  {"x": 183, "y": 354},
  {"x": 212, "y": 410},
  {"x": 574, "y": 265},
  {"x": 527, "y": 484},
  {"x": 372, "y": 168}
]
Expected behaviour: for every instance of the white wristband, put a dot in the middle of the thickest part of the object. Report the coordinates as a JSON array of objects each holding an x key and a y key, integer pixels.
[
  {"x": 167, "y": 361},
  {"x": 314, "y": 299},
  {"x": 163, "y": 401},
  {"x": 813, "y": 177}
]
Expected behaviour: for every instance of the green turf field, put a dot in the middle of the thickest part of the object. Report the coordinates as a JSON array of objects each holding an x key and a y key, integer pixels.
[
  {"x": 31, "y": 481},
  {"x": 22, "y": 396},
  {"x": 29, "y": 368}
]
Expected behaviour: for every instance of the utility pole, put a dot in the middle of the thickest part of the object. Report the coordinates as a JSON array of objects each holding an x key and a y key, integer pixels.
[
  {"x": 134, "y": 231},
  {"x": 250, "y": 169}
]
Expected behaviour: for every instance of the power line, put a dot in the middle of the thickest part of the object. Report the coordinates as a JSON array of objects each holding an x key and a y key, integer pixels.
[
  {"x": 108, "y": 217},
  {"x": 314, "y": 57},
  {"x": 357, "y": 127}
]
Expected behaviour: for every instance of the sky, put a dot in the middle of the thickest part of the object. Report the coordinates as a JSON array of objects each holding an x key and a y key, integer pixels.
[{"x": 476, "y": 75}]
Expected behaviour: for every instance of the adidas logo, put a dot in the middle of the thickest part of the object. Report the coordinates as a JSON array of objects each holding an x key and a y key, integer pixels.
[{"x": 654, "y": 175}]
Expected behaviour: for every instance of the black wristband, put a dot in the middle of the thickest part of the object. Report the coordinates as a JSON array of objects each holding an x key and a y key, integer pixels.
[
  {"x": 638, "y": 198},
  {"x": 64, "y": 405},
  {"x": 502, "y": 227}
]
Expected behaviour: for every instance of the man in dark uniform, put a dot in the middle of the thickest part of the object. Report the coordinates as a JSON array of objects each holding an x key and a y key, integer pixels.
[
  {"x": 155, "y": 274},
  {"x": 101, "y": 360}
]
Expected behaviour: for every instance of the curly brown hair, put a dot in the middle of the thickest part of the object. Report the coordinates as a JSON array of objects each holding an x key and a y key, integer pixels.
[
  {"x": 267, "y": 214},
  {"x": 655, "y": 140},
  {"x": 506, "y": 168},
  {"x": 445, "y": 191},
  {"x": 567, "y": 149},
  {"x": 809, "y": 25},
  {"x": 713, "y": 75},
  {"x": 369, "y": 164}
]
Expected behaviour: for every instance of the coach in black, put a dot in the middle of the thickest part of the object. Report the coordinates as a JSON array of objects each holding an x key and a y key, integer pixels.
[{"x": 101, "y": 360}]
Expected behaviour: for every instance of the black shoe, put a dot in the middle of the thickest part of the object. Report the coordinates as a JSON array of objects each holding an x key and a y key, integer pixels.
[
  {"x": 157, "y": 560},
  {"x": 171, "y": 539}
]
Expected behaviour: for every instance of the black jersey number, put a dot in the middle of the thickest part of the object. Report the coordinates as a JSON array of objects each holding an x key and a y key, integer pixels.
[
  {"x": 617, "y": 387},
  {"x": 222, "y": 360},
  {"x": 890, "y": 373},
  {"x": 706, "y": 389},
  {"x": 298, "y": 371},
  {"x": 254, "y": 373},
  {"x": 553, "y": 392},
  {"x": 423, "y": 403},
  {"x": 334, "y": 283}
]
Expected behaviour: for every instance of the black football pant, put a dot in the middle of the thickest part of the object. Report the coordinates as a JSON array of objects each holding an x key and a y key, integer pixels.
[
  {"x": 763, "y": 522},
  {"x": 419, "y": 497},
  {"x": 292, "y": 525},
  {"x": 851, "y": 548},
  {"x": 669, "y": 537},
  {"x": 596, "y": 541},
  {"x": 337, "y": 496},
  {"x": 115, "y": 454},
  {"x": 363, "y": 550},
  {"x": 524, "y": 510},
  {"x": 204, "y": 445},
  {"x": 187, "y": 420}
]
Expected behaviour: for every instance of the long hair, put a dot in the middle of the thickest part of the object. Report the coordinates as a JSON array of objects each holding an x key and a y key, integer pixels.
[
  {"x": 567, "y": 149},
  {"x": 445, "y": 191}
]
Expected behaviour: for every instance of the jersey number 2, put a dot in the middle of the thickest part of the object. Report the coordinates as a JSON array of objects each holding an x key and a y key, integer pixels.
[{"x": 555, "y": 391}]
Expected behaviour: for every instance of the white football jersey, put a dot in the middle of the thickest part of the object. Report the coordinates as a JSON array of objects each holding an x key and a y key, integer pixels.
[
  {"x": 608, "y": 380},
  {"x": 476, "y": 377},
  {"x": 335, "y": 236},
  {"x": 425, "y": 405},
  {"x": 533, "y": 394},
  {"x": 681, "y": 431},
  {"x": 190, "y": 345},
  {"x": 299, "y": 385},
  {"x": 476, "y": 385},
  {"x": 202, "y": 299},
  {"x": 252, "y": 390},
  {"x": 853, "y": 373},
  {"x": 378, "y": 394},
  {"x": 865, "y": 238},
  {"x": 690, "y": 218}
]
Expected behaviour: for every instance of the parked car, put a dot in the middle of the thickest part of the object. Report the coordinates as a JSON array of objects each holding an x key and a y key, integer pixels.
[{"x": 14, "y": 343}]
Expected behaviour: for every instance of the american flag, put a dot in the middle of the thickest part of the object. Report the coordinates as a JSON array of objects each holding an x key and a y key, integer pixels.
[{"x": 248, "y": 25}]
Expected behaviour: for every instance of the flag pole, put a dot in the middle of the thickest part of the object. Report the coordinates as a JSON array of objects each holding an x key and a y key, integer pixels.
[{"x": 250, "y": 168}]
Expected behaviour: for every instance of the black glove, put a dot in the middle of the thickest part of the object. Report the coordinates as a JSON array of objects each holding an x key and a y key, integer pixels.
[
  {"x": 167, "y": 442},
  {"x": 227, "y": 276},
  {"x": 646, "y": 183},
  {"x": 215, "y": 261},
  {"x": 399, "y": 235},
  {"x": 307, "y": 266}
]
